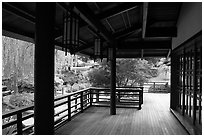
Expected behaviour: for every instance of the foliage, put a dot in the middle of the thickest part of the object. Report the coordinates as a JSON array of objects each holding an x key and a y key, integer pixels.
[
  {"x": 160, "y": 88},
  {"x": 129, "y": 72},
  {"x": 21, "y": 99}
]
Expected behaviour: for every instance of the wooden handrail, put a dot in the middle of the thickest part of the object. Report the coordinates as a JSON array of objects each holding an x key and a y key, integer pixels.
[{"x": 74, "y": 105}]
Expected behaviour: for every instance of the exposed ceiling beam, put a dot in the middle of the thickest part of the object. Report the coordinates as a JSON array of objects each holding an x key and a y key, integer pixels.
[
  {"x": 144, "y": 45},
  {"x": 23, "y": 14},
  {"x": 127, "y": 31},
  {"x": 9, "y": 7},
  {"x": 120, "y": 55},
  {"x": 87, "y": 15},
  {"x": 161, "y": 32},
  {"x": 144, "y": 23},
  {"x": 17, "y": 34},
  {"x": 83, "y": 47},
  {"x": 118, "y": 10}
]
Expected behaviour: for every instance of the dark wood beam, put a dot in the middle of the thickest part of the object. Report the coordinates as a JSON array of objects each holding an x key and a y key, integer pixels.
[
  {"x": 161, "y": 32},
  {"x": 127, "y": 31},
  {"x": 138, "y": 55},
  {"x": 117, "y": 10},
  {"x": 144, "y": 23},
  {"x": 145, "y": 45},
  {"x": 87, "y": 15},
  {"x": 17, "y": 34},
  {"x": 85, "y": 46},
  {"x": 24, "y": 14},
  {"x": 9, "y": 7}
]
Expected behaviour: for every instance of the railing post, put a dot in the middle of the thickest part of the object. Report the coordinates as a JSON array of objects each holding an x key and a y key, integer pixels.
[
  {"x": 82, "y": 103},
  {"x": 19, "y": 123},
  {"x": 85, "y": 98},
  {"x": 118, "y": 95},
  {"x": 140, "y": 101},
  {"x": 154, "y": 86},
  {"x": 91, "y": 100},
  {"x": 97, "y": 95},
  {"x": 69, "y": 108},
  {"x": 142, "y": 95}
]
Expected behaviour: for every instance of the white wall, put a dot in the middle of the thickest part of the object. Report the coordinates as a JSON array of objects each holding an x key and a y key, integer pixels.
[{"x": 189, "y": 22}]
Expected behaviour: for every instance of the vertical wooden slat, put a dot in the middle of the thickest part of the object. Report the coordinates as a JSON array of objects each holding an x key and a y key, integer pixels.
[
  {"x": 194, "y": 85},
  {"x": 187, "y": 81},
  {"x": 183, "y": 88}
]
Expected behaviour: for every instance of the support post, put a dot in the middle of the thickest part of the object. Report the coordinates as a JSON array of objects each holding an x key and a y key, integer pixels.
[
  {"x": 174, "y": 96},
  {"x": 113, "y": 79},
  {"x": 44, "y": 69}
]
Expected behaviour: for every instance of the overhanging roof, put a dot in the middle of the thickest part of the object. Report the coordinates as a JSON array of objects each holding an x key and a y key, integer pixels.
[{"x": 142, "y": 29}]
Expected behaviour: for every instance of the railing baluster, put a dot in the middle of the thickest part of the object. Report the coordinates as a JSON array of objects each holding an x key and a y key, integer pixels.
[
  {"x": 90, "y": 94},
  {"x": 69, "y": 108},
  {"x": 81, "y": 100},
  {"x": 76, "y": 102},
  {"x": 19, "y": 123}
]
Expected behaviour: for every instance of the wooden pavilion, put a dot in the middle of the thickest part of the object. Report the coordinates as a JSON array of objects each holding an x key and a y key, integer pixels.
[{"x": 112, "y": 30}]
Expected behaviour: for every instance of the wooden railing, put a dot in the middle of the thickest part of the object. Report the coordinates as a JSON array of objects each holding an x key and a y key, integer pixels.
[
  {"x": 125, "y": 97},
  {"x": 70, "y": 105},
  {"x": 154, "y": 87}
]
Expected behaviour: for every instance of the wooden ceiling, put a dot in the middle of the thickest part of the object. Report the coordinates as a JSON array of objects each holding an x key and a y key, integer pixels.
[{"x": 141, "y": 29}]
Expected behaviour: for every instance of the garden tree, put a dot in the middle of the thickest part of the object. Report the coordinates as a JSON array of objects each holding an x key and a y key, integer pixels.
[
  {"x": 129, "y": 72},
  {"x": 17, "y": 61},
  {"x": 70, "y": 77}
]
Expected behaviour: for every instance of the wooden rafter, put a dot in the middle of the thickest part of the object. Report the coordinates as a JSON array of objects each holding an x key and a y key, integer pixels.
[
  {"x": 144, "y": 24},
  {"x": 87, "y": 15},
  {"x": 118, "y": 10}
]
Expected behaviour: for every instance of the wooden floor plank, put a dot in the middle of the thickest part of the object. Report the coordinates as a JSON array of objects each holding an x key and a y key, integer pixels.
[{"x": 154, "y": 118}]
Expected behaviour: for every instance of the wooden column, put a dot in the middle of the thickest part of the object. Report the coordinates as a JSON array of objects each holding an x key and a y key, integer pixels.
[
  {"x": 113, "y": 79},
  {"x": 44, "y": 69},
  {"x": 174, "y": 96}
]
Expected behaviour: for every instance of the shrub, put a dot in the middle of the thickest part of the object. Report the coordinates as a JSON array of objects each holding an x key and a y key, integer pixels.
[
  {"x": 21, "y": 99},
  {"x": 160, "y": 88}
]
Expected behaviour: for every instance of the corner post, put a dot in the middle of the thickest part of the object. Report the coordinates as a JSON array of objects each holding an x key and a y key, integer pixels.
[{"x": 113, "y": 79}]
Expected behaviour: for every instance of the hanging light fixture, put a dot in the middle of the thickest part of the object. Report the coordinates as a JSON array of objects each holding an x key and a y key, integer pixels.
[{"x": 71, "y": 31}]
